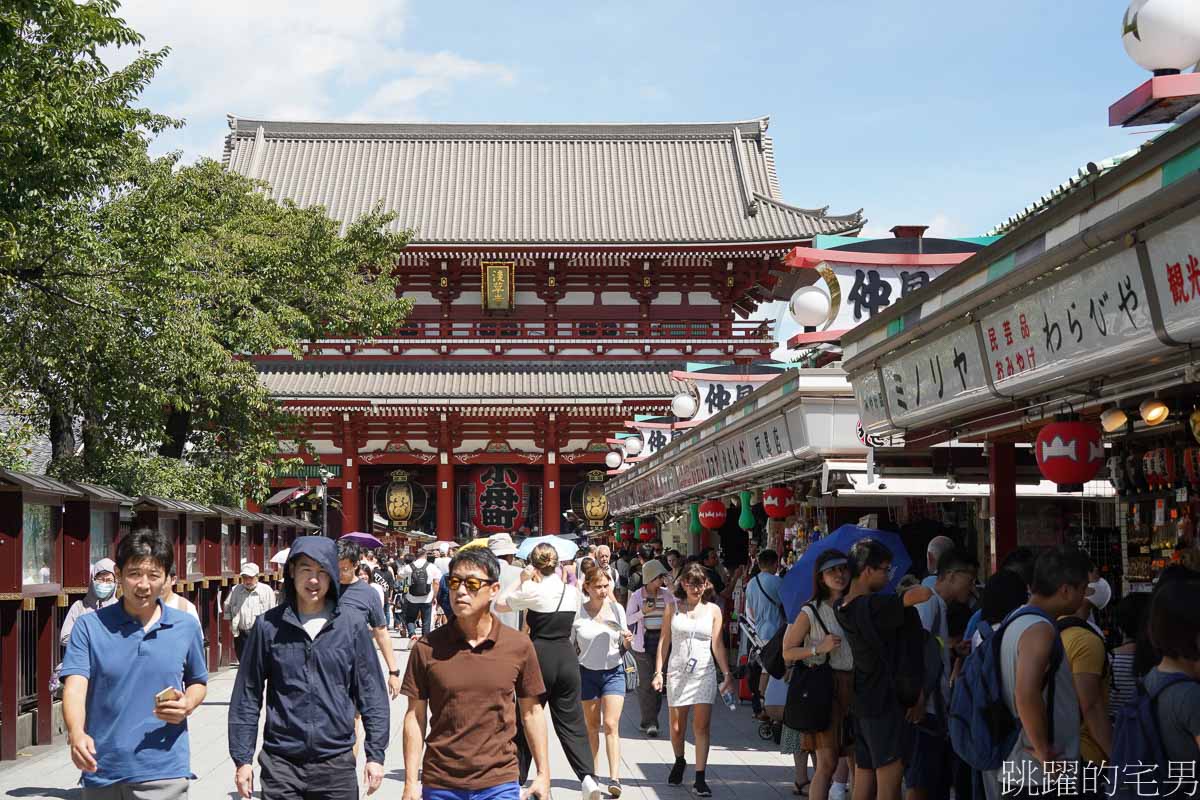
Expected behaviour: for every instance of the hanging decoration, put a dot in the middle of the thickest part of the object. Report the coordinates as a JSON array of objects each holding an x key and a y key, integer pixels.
[
  {"x": 694, "y": 526},
  {"x": 625, "y": 531},
  {"x": 779, "y": 502},
  {"x": 501, "y": 498},
  {"x": 589, "y": 500},
  {"x": 712, "y": 514},
  {"x": 746, "y": 516},
  {"x": 402, "y": 501},
  {"x": 1069, "y": 452},
  {"x": 647, "y": 530}
]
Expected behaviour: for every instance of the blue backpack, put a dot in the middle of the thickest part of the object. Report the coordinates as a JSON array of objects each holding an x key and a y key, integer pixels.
[
  {"x": 982, "y": 729},
  {"x": 1137, "y": 740}
]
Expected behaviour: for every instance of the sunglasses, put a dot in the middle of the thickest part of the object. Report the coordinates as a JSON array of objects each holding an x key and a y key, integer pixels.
[{"x": 473, "y": 584}]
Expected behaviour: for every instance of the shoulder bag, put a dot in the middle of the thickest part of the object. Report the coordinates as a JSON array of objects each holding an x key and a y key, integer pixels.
[
  {"x": 628, "y": 663},
  {"x": 809, "y": 706}
]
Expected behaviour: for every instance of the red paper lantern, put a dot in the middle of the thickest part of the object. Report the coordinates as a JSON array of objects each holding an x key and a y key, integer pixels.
[
  {"x": 1069, "y": 452},
  {"x": 626, "y": 531},
  {"x": 778, "y": 502},
  {"x": 501, "y": 499},
  {"x": 647, "y": 531},
  {"x": 712, "y": 514}
]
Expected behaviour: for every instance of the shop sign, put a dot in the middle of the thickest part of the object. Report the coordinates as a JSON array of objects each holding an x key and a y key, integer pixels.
[
  {"x": 860, "y": 291},
  {"x": 718, "y": 395},
  {"x": 933, "y": 379},
  {"x": 1175, "y": 264},
  {"x": 871, "y": 401},
  {"x": 501, "y": 498},
  {"x": 1098, "y": 316}
]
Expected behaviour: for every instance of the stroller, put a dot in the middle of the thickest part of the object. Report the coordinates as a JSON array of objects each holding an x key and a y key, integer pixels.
[{"x": 754, "y": 647}]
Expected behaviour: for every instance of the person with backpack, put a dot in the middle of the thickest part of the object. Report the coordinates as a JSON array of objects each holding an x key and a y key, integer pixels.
[
  {"x": 1014, "y": 707},
  {"x": 764, "y": 610},
  {"x": 929, "y": 774},
  {"x": 1088, "y": 657},
  {"x": 814, "y": 640},
  {"x": 874, "y": 624},
  {"x": 1160, "y": 728},
  {"x": 424, "y": 582}
]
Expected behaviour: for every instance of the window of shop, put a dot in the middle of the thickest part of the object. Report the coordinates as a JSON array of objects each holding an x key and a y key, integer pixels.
[
  {"x": 195, "y": 537},
  {"x": 37, "y": 545},
  {"x": 103, "y": 530},
  {"x": 226, "y": 548}
]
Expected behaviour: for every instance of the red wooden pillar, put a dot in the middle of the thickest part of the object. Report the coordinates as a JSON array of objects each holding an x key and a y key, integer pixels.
[
  {"x": 551, "y": 496},
  {"x": 10, "y": 644},
  {"x": 210, "y": 565},
  {"x": 45, "y": 665},
  {"x": 1002, "y": 473},
  {"x": 351, "y": 517},
  {"x": 445, "y": 499}
]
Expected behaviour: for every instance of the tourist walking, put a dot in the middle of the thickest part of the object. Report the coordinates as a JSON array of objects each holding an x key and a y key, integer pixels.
[
  {"x": 178, "y": 601},
  {"x": 1175, "y": 632},
  {"x": 248, "y": 600},
  {"x": 816, "y": 638},
  {"x": 693, "y": 653},
  {"x": 504, "y": 549},
  {"x": 601, "y": 635},
  {"x": 550, "y": 606},
  {"x": 645, "y": 613},
  {"x": 764, "y": 610},
  {"x": 102, "y": 591},
  {"x": 461, "y": 678},
  {"x": 314, "y": 659},
  {"x": 133, "y": 673},
  {"x": 357, "y": 596},
  {"x": 424, "y": 585},
  {"x": 1132, "y": 621}
]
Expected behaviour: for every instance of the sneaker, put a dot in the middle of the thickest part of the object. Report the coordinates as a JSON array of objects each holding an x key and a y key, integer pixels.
[
  {"x": 701, "y": 788},
  {"x": 676, "y": 776},
  {"x": 643, "y": 727},
  {"x": 837, "y": 791},
  {"x": 589, "y": 789},
  {"x": 651, "y": 731},
  {"x": 614, "y": 788}
]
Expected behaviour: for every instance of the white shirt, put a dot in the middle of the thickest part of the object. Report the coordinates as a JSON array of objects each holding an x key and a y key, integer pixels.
[
  {"x": 546, "y": 596},
  {"x": 598, "y": 641},
  {"x": 314, "y": 623},
  {"x": 181, "y": 603},
  {"x": 510, "y": 578},
  {"x": 435, "y": 574},
  {"x": 442, "y": 563}
]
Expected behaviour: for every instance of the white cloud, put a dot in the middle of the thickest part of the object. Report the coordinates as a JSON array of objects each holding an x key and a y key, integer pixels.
[{"x": 297, "y": 59}]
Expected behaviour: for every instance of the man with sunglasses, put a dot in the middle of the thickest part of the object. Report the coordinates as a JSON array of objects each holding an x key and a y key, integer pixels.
[{"x": 466, "y": 673}]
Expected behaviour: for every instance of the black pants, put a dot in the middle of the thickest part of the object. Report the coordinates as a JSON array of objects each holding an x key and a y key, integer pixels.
[
  {"x": 560, "y": 673},
  {"x": 238, "y": 643},
  {"x": 331, "y": 779}
]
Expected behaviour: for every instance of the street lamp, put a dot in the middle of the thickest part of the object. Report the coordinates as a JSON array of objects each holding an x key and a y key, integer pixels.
[{"x": 325, "y": 476}]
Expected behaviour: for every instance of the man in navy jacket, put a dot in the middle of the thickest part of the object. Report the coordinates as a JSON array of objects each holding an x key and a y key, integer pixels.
[{"x": 318, "y": 667}]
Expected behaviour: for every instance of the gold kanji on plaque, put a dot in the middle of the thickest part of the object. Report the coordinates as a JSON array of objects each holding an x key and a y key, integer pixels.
[{"x": 497, "y": 278}]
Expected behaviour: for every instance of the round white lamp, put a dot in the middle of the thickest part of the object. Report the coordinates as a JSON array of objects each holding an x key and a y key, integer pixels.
[
  {"x": 1162, "y": 35},
  {"x": 1154, "y": 411},
  {"x": 685, "y": 405},
  {"x": 613, "y": 460},
  {"x": 810, "y": 306},
  {"x": 1113, "y": 419},
  {"x": 632, "y": 444}
]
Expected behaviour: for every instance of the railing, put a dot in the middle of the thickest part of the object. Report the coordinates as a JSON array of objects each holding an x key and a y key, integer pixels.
[{"x": 584, "y": 329}]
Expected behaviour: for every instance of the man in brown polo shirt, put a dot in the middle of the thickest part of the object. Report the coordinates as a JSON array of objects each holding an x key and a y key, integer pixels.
[{"x": 466, "y": 674}]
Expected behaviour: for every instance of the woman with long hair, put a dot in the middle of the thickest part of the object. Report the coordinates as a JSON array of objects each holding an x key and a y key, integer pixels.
[
  {"x": 600, "y": 632},
  {"x": 815, "y": 638},
  {"x": 696, "y": 651},
  {"x": 551, "y": 606}
]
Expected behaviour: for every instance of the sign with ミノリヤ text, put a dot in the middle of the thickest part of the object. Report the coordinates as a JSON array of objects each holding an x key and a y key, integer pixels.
[{"x": 932, "y": 379}]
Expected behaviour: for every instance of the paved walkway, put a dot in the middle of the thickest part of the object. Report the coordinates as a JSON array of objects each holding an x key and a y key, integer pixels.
[{"x": 741, "y": 765}]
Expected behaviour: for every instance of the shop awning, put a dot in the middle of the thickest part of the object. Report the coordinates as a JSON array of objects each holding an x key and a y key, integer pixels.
[{"x": 285, "y": 495}]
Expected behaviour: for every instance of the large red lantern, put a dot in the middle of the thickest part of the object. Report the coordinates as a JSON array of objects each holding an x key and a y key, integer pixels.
[
  {"x": 778, "y": 502},
  {"x": 1069, "y": 452},
  {"x": 626, "y": 531},
  {"x": 712, "y": 514},
  {"x": 647, "y": 530},
  {"x": 501, "y": 499}
]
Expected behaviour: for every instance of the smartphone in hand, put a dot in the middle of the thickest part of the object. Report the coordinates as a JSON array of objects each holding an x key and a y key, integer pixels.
[{"x": 165, "y": 695}]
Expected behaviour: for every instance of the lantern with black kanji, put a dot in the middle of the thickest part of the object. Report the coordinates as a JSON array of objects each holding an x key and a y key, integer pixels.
[
  {"x": 779, "y": 502},
  {"x": 712, "y": 514},
  {"x": 501, "y": 499},
  {"x": 589, "y": 500},
  {"x": 647, "y": 530},
  {"x": 1069, "y": 452},
  {"x": 402, "y": 501}
]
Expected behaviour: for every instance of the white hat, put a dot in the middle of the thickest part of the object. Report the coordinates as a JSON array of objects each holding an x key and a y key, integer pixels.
[
  {"x": 501, "y": 544},
  {"x": 250, "y": 569},
  {"x": 443, "y": 547}
]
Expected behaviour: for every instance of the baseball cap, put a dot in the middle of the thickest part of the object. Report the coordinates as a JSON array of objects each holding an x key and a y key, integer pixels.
[
  {"x": 250, "y": 569},
  {"x": 501, "y": 544}
]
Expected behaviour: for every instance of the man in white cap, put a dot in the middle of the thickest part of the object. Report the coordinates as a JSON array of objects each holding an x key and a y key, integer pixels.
[
  {"x": 248, "y": 601},
  {"x": 503, "y": 548}
]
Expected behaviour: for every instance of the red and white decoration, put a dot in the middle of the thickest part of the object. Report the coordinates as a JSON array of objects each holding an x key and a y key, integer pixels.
[
  {"x": 779, "y": 502},
  {"x": 712, "y": 514},
  {"x": 647, "y": 530},
  {"x": 1069, "y": 452},
  {"x": 501, "y": 498}
]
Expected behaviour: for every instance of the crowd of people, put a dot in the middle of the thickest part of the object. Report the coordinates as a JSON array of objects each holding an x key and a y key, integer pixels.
[{"x": 942, "y": 686}]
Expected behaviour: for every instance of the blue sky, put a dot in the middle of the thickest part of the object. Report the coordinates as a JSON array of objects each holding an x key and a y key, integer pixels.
[{"x": 942, "y": 112}]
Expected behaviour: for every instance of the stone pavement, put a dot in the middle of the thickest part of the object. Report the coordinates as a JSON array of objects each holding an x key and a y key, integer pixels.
[{"x": 741, "y": 765}]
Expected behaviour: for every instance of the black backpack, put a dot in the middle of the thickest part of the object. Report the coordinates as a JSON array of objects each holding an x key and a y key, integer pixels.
[
  {"x": 418, "y": 582},
  {"x": 916, "y": 660}
]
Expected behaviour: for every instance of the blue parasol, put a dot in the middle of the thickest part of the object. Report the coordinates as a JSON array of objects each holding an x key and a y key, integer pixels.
[
  {"x": 565, "y": 547},
  {"x": 798, "y": 584}
]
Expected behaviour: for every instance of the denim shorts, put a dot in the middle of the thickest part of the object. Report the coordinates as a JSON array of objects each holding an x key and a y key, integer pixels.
[
  {"x": 505, "y": 791},
  {"x": 597, "y": 683}
]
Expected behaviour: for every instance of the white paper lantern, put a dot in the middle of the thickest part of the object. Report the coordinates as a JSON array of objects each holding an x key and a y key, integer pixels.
[
  {"x": 613, "y": 459},
  {"x": 810, "y": 306},
  {"x": 1162, "y": 34},
  {"x": 684, "y": 405},
  {"x": 633, "y": 445}
]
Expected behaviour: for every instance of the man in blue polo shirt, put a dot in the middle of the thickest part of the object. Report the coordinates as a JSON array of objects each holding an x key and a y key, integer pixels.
[{"x": 133, "y": 673}]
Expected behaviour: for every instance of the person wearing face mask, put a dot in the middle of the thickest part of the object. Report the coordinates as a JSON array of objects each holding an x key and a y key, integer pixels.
[{"x": 101, "y": 592}]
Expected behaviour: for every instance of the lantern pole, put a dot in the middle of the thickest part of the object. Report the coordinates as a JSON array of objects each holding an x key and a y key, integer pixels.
[{"x": 325, "y": 475}]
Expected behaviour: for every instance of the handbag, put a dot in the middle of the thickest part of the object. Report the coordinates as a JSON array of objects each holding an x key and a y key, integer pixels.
[
  {"x": 809, "y": 707},
  {"x": 628, "y": 663},
  {"x": 770, "y": 658}
]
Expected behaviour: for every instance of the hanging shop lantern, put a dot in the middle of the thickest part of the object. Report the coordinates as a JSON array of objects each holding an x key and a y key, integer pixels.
[
  {"x": 501, "y": 498},
  {"x": 402, "y": 501},
  {"x": 1069, "y": 452},
  {"x": 589, "y": 500},
  {"x": 648, "y": 530},
  {"x": 625, "y": 532},
  {"x": 712, "y": 514},
  {"x": 746, "y": 519},
  {"x": 694, "y": 526},
  {"x": 779, "y": 502}
]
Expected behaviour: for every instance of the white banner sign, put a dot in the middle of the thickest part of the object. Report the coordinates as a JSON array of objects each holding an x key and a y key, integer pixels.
[{"x": 1175, "y": 264}]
